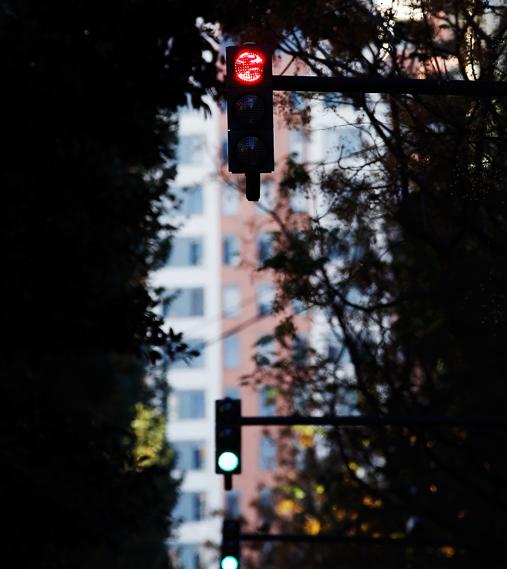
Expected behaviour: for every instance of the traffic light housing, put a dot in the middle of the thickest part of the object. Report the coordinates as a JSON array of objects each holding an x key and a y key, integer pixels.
[
  {"x": 250, "y": 111},
  {"x": 230, "y": 552},
  {"x": 228, "y": 436}
]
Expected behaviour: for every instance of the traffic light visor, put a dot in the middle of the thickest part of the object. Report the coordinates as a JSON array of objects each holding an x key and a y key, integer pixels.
[
  {"x": 249, "y": 66},
  {"x": 229, "y": 562},
  {"x": 228, "y": 461}
]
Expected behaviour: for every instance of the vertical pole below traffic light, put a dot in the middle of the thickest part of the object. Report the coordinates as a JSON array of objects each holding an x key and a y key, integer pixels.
[{"x": 253, "y": 186}]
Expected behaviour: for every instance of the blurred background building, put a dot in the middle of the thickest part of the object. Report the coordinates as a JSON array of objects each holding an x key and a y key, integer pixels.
[{"x": 223, "y": 305}]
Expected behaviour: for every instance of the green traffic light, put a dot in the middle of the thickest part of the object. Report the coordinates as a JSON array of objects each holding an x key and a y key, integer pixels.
[
  {"x": 228, "y": 461},
  {"x": 229, "y": 562}
]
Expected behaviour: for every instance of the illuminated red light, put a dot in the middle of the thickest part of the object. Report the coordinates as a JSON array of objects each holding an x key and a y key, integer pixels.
[{"x": 249, "y": 66}]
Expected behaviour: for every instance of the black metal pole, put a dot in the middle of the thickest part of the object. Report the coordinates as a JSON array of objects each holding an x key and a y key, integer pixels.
[
  {"x": 253, "y": 186},
  {"x": 227, "y": 481},
  {"x": 375, "y": 420},
  {"x": 381, "y": 85},
  {"x": 342, "y": 539}
]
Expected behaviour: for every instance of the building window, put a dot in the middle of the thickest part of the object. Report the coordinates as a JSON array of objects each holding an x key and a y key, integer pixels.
[
  {"x": 265, "y": 351},
  {"x": 232, "y": 504},
  {"x": 297, "y": 101},
  {"x": 231, "y": 301},
  {"x": 189, "y": 200},
  {"x": 232, "y": 392},
  {"x": 299, "y": 306},
  {"x": 231, "y": 250},
  {"x": 267, "y": 401},
  {"x": 186, "y": 252},
  {"x": 230, "y": 201},
  {"x": 231, "y": 351},
  {"x": 267, "y": 200},
  {"x": 184, "y": 302},
  {"x": 196, "y": 362},
  {"x": 336, "y": 350},
  {"x": 266, "y": 498},
  {"x": 190, "y": 507},
  {"x": 264, "y": 247},
  {"x": 341, "y": 142},
  {"x": 266, "y": 503},
  {"x": 188, "y": 404},
  {"x": 297, "y": 144},
  {"x": 297, "y": 201},
  {"x": 265, "y": 296},
  {"x": 330, "y": 100},
  {"x": 191, "y": 149},
  {"x": 190, "y": 455},
  {"x": 224, "y": 150},
  {"x": 348, "y": 402},
  {"x": 188, "y": 556},
  {"x": 267, "y": 454},
  {"x": 300, "y": 350}
]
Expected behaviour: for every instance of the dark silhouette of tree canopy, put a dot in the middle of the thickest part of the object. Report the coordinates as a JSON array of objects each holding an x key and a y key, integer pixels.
[
  {"x": 406, "y": 259},
  {"x": 90, "y": 89}
]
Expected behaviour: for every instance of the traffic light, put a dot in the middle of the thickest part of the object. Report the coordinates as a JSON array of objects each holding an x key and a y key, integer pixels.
[
  {"x": 250, "y": 114},
  {"x": 230, "y": 552},
  {"x": 228, "y": 436}
]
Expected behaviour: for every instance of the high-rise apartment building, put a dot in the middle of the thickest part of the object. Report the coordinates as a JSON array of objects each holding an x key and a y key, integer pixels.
[
  {"x": 191, "y": 278},
  {"x": 223, "y": 305}
]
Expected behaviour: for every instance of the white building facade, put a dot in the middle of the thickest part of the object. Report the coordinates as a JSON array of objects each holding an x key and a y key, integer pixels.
[
  {"x": 199, "y": 272},
  {"x": 191, "y": 277}
]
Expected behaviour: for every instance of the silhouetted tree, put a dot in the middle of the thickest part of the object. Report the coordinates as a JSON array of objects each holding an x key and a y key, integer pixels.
[
  {"x": 89, "y": 95},
  {"x": 406, "y": 259}
]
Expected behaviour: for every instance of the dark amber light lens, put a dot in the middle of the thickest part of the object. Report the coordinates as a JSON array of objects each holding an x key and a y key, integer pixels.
[
  {"x": 250, "y": 151},
  {"x": 249, "y": 109}
]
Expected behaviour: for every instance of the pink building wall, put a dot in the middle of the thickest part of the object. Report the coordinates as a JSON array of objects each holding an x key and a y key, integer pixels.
[{"x": 247, "y": 224}]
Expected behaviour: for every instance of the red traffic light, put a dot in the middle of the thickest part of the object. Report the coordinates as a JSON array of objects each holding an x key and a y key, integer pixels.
[
  {"x": 249, "y": 66},
  {"x": 250, "y": 113}
]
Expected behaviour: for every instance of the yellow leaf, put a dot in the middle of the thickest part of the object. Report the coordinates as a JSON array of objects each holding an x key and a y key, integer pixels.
[
  {"x": 312, "y": 525},
  {"x": 339, "y": 513},
  {"x": 447, "y": 551},
  {"x": 288, "y": 507}
]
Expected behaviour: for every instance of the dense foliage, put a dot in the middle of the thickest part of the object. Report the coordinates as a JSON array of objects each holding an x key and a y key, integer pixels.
[
  {"x": 405, "y": 259},
  {"x": 89, "y": 91}
]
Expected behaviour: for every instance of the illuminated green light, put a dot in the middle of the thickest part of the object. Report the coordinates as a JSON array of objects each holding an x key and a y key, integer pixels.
[
  {"x": 228, "y": 462},
  {"x": 229, "y": 562}
]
